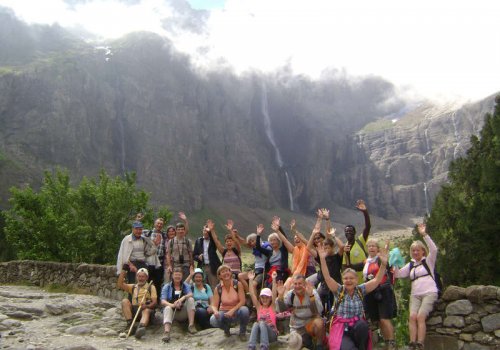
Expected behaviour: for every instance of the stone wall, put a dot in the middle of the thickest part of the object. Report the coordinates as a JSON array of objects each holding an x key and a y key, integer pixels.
[
  {"x": 98, "y": 280},
  {"x": 465, "y": 319}
]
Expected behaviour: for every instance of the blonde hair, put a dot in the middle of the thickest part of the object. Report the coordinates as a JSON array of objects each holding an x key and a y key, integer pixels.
[
  {"x": 251, "y": 236},
  {"x": 274, "y": 235},
  {"x": 349, "y": 270},
  {"x": 419, "y": 244},
  {"x": 372, "y": 241},
  {"x": 222, "y": 267}
]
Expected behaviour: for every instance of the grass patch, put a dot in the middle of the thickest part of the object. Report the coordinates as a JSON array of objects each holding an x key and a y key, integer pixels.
[
  {"x": 378, "y": 125},
  {"x": 64, "y": 288}
]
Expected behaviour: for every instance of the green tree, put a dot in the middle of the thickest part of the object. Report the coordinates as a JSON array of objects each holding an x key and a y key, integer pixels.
[
  {"x": 81, "y": 224},
  {"x": 465, "y": 219}
]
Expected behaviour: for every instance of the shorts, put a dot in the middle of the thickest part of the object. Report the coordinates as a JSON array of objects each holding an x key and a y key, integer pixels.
[
  {"x": 422, "y": 304},
  {"x": 381, "y": 303},
  {"x": 309, "y": 326}
]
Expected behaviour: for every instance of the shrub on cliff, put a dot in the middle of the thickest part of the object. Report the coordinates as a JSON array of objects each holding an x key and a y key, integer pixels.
[
  {"x": 74, "y": 224},
  {"x": 465, "y": 220}
]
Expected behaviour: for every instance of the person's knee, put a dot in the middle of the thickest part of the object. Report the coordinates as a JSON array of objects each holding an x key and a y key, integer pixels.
[
  {"x": 318, "y": 325},
  {"x": 126, "y": 303},
  {"x": 413, "y": 317},
  {"x": 244, "y": 312},
  {"x": 190, "y": 303},
  {"x": 214, "y": 322},
  {"x": 421, "y": 318}
]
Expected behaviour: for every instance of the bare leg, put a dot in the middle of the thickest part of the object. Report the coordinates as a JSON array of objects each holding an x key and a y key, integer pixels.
[
  {"x": 421, "y": 328},
  {"x": 412, "y": 325},
  {"x": 126, "y": 309},
  {"x": 387, "y": 329}
]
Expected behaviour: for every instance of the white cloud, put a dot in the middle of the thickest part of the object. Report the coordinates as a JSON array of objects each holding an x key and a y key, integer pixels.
[{"x": 440, "y": 48}]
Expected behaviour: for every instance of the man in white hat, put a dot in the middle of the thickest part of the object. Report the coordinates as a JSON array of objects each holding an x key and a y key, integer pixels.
[{"x": 137, "y": 300}]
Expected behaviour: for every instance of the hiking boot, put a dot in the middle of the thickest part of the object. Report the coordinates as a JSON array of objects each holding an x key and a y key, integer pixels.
[
  {"x": 140, "y": 332},
  {"x": 192, "y": 329},
  {"x": 242, "y": 336},
  {"x": 419, "y": 346},
  {"x": 412, "y": 345},
  {"x": 166, "y": 337}
]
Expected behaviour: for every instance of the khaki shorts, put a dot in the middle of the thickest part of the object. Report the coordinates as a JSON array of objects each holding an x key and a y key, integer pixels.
[{"x": 422, "y": 304}]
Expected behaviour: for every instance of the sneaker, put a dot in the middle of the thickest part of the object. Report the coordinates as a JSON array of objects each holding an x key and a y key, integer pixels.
[
  {"x": 166, "y": 337},
  {"x": 390, "y": 344},
  {"x": 412, "y": 346},
  {"x": 191, "y": 329},
  {"x": 419, "y": 346},
  {"x": 242, "y": 336},
  {"x": 140, "y": 332}
]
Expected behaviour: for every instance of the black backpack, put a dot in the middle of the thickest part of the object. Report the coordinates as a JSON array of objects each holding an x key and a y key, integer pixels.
[{"x": 435, "y": 276}]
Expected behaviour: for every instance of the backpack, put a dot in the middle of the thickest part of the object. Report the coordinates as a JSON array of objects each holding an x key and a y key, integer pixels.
[
  {"x": 219, "y": 289},
  {"x": 131, "y": 295},
  {"x": 435, "y": 276},
  {"x": 339, "y": 300},
  {"x": 312, "y": 306},
  {"x": 362, "y": 247}
]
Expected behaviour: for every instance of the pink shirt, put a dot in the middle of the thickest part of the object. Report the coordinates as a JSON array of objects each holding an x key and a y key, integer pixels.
[
  {"x": 228, "y": 299},
  {"x": 422, "y": 285},
  {"x": 268, "y": 315}
]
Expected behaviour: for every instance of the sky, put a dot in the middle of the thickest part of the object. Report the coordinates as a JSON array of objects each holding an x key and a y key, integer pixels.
[{"x": 446, "y": 49}]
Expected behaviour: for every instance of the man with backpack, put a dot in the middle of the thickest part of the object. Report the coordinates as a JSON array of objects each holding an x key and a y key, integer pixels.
[
  {"x": 156, "y": 262},
  {"x": 306, "y": 308},
  {"x": 355, "y": 248},
  {"x": 142, "y": 296},
  {"x": 180, "y": 250}
]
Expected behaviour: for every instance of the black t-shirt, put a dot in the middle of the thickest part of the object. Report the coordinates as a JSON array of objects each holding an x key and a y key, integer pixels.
[{"x": 334, "y": 263}]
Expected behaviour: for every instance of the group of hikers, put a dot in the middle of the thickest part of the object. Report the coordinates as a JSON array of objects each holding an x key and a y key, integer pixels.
[{"x": 330, "y": 293}]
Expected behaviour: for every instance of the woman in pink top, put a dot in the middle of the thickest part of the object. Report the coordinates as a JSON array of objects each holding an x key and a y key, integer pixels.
[
  {"x": 424, "y": 292},
  {"x": 228, "y": 303},
  {"x": 264, "y": 330}
]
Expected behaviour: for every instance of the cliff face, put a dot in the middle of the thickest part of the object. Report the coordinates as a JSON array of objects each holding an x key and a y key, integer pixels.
[{"x": 197, "y": 138}]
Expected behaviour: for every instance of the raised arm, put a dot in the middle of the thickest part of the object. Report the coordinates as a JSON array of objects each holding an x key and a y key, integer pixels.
[
  {"x": 258, "y": 246},
  {"x": 361, "y": 206},
  {"x": 326, "y": 217},
  {"x": 277, "y": 228},
  {"x": 234, "y": 235},
  {"x": 310, "y": 243},
  {"x": 337, "y": 240},
  {"x": 213, "y": 235},
  {"x": 372, "y": 284},
  {"x": 294, "y": 231},
  {"x": 184, "y": 219},
  {"x": 190, "y": 276},
  {"x": 253, "y": 292},
  {"x": 330, "y": 282}
]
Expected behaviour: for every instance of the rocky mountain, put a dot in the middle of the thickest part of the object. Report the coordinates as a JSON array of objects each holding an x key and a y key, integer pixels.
[{"x": 202, "y": 139}]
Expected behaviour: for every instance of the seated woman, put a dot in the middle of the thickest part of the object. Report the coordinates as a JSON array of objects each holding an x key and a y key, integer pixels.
[
  {"x": 264, "y": 329},
  {"x": 202, "y": 295},
  {"x": 424, "y": 292},
  {"x": 228, "y": 304},
  {"x": 349, "y": 329},
  {"x": 380, "y": 303},
  {"x": 261, "y": 252},
  {"x": 177, "y": 299},
  {"x": 278, "y": 261}
]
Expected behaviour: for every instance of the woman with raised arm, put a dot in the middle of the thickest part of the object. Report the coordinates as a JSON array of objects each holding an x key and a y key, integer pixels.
[
  {"x": 231, "y": 253},
  {"x": 261, "y": 252},
  {"x": 264, "y": 329},
  {"x": 278, "y": 260},
  {"x": 349, "y": 328},
  {"x": 424, "y": 292},
  {"x": 381, "y": 302}
]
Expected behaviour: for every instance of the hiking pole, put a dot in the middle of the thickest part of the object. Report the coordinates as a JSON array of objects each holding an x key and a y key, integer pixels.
[{"x": 139, "y": 308}]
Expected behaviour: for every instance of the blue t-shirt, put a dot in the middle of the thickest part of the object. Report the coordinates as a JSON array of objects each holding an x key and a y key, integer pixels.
[
  {"x": 168, "y": 293},
  {"x": 202, "y": 296}
]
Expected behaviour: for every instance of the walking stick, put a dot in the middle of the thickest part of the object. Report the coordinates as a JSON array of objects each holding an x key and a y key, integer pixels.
[{"x": 139, "y": 309}]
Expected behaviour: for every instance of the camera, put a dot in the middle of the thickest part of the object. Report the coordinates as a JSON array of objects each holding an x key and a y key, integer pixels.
[{"x": 181, "y": 259}]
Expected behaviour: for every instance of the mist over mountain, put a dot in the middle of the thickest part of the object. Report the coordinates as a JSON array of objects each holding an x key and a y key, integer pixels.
[{"x": 200, "y": 138}]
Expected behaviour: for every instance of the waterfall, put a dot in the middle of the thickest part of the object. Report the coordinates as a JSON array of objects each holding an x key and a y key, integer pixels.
[
  {"x": 270, "y": 137},
  {"x": 427, "y": 163},
  {"x": 121, "y": 130},
  {"x": 455, "y": 133}
]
